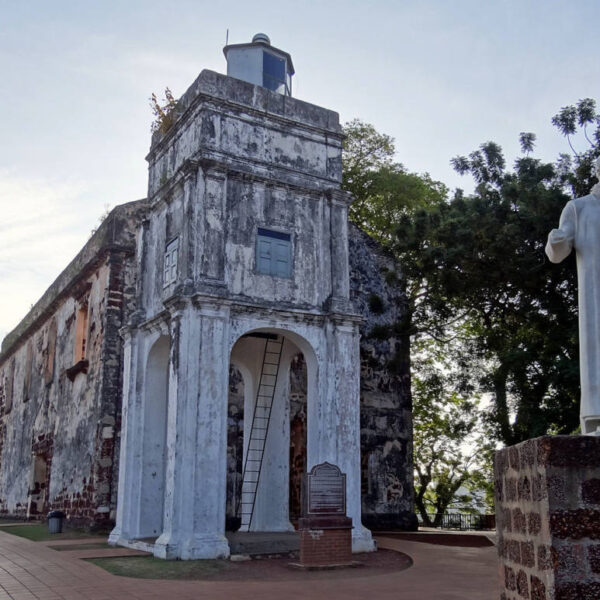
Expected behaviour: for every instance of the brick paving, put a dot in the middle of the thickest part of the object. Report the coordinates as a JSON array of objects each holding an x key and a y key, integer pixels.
[{"x": 32, "y": 571}]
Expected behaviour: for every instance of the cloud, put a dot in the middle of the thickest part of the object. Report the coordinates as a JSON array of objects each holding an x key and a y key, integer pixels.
[{"x": 43, "y": 227}]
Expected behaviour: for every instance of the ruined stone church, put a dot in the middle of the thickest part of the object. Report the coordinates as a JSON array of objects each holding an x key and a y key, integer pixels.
[{"x": 214, "y": 341}]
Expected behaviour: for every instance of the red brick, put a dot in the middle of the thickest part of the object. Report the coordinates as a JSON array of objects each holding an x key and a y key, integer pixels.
[
  {"x": 527, "y": 554},
  {"x": 524, "y": 488},
  {"x": 538, "y": 488},
  {"x": 528, "y": 454},
  {"x": 578, "y": 591},
  {"x": 534, "y": 523},
  {"x": 538, "y": 589},
  {"x": 522, "y": 584},
  {"x": 575, "y": 524},
  {"x": 590, "y": 491},
  {"x": 511, "y": 489},
  {"x": 514, "y": 551},
  {"x": 513, "y": 457},
  {"x": 510, "y": 579},
  {"x": 518, "y": 520},
  {"x": 593, "y": 553}
]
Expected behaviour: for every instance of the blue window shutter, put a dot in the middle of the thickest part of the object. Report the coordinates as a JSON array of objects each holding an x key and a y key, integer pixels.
[
  {"x": 281, "y": 262},
  {"x": 273, "y": 253},
  {"x": 264, "y": 256}
]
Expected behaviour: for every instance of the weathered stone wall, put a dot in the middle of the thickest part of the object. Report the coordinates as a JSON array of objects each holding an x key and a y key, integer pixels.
[
  {"x": 240, "y": 157},
  {"x": 548, "y": 518},
  {"x": 60, "y": 406},
  {"x": 385, "y": 399},
  {"x": 235, "y": 446},
  {"x": 264, "y": 134},
  {"x": 386, "y": 422}
]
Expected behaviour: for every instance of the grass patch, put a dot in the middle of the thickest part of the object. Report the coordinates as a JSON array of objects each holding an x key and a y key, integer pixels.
[
  {"x": 39, "y": 533},
  {"x": 150, "y": 567},
  {"x": 92, "y": 546}
]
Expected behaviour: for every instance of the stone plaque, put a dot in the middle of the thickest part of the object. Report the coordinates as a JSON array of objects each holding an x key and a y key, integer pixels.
[{"x": 325, "y": 491}]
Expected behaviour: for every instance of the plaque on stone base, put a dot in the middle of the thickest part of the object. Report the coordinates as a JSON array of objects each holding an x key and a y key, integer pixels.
[{"x": 325, "y": 530}]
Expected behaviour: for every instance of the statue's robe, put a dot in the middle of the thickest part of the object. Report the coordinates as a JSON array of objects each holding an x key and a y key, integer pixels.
[{"x": 579, "y": 228}]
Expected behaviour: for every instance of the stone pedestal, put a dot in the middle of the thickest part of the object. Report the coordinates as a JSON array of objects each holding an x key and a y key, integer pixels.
[
  {"x": 325, "y": 541},
  {"x": 548, "y": 518}
]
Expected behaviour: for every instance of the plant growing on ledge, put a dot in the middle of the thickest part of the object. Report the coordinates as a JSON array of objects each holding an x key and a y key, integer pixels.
[{"x": 165, "y": 112}]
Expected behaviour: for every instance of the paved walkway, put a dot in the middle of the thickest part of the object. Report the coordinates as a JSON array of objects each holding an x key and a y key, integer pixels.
[{"x": 31, "y": 570}]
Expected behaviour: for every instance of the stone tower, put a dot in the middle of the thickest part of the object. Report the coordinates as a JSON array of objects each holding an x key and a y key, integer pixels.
[{"x": 242, "y": 263}]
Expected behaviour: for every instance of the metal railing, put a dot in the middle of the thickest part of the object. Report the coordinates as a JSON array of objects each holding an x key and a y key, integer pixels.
[{"x": 462, "y": 521}]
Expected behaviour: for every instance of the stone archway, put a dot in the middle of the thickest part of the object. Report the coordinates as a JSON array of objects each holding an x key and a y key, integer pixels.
[
  {"x": 274, "y": 495},
  {"x": 154, "y": 447}
]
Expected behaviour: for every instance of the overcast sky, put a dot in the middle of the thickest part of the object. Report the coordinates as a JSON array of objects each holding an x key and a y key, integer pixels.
[{"x": 441, "y": 77}]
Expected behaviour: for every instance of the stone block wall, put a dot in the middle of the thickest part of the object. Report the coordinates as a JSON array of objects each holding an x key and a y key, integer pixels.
[
  {"x": 60, "y": 394},
  {"x": 385, "y": 400},
  {"x": 548, "y": 518}
]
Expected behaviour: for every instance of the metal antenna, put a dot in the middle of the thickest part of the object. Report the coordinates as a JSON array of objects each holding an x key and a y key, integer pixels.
[{"x": 227, "y": 37}]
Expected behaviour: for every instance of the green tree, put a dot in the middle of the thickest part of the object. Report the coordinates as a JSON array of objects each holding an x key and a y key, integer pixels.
[
  {"x": 474, "y": 267},
  {"x": 452, "y": 448},
  {"x": 387, "y": 195},
  {"x": 522, "y": 310},
  {"x": 384, "y": 190}
]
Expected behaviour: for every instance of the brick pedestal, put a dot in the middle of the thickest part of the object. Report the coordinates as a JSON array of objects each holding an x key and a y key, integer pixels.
[
  {"x": 548, "y": 518},
  {"x": 325, "y": 541}
]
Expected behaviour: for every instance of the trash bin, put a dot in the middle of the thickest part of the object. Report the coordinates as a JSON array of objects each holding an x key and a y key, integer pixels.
[{"x": 55, "y": 521}]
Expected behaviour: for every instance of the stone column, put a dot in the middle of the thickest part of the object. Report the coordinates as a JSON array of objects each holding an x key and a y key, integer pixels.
[
  {"x": 189, "y": 251},
  {"x": 334, "y": 420},
  {"x": 196, "y": 435},
  {"x": 548, "y": 518},
  {"x": 210, "y": 484},
  {"x": 128, "y": 502},
  {"x": 339, "y": 201},
  {"x": 211, "y": 228}
]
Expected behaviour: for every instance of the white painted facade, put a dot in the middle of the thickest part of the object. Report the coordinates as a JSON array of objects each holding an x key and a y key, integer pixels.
[{"x": 237, "y": 158}]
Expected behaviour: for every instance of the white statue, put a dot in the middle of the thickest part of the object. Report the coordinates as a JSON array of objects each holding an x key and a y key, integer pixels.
[{"x": 579, "y": 228}]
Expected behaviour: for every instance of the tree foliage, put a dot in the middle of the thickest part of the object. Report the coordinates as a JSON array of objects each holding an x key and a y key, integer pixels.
[
  {"x": 476, "y": 277},
  {"x": 452, "y": 447},
  {"x": 384, "y": 190}
]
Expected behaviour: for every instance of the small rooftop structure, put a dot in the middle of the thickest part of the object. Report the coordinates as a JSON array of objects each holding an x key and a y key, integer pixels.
[{"x": 261, "y": 64}]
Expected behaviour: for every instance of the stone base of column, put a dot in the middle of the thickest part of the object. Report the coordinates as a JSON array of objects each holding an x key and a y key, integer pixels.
[
  {"x": 548, "y": 518},
  {"x": 325, "y": 541},
  {"x": 114, "y": 536},
  {"x": 192, "y": 548},
  {"x": 362, "y": 540}
]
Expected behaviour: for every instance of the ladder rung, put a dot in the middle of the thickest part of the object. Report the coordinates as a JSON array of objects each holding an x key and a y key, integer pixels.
[{"x": 260, "y": 422}]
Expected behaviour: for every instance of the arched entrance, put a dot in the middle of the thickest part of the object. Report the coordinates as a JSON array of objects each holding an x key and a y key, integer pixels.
[
  {"x": 267, "y": 425},
  {"x": 156, "y": 384}
]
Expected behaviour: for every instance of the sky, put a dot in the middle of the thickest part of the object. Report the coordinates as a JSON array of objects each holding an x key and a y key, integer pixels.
[{"x": 440, "y": 77}]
